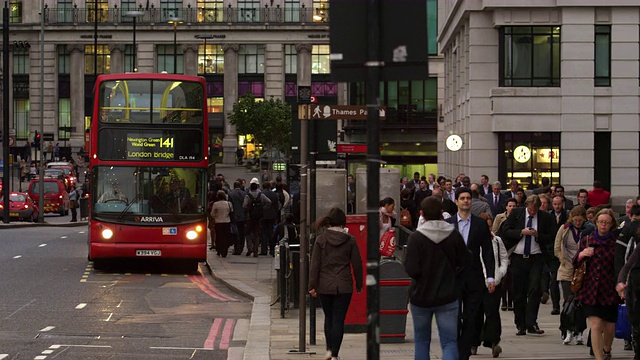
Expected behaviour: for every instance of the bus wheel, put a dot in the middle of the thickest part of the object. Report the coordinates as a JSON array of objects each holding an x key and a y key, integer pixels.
[
  {"x": 99, "y": 264},
  {"x": 190, "y": 266}
]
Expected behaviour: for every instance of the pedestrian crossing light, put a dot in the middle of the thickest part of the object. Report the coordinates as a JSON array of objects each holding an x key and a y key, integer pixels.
[{"x": 36, "y": 139}]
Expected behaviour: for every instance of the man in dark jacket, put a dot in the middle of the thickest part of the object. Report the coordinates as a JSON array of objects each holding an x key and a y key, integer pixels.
[
  {"x": 268, "y": 222},
  {"x": 529, "y": 231},
  {"x": 477, "y": 237},
  {"x": 237, "y": 199},
  {"x": 434, "y": 252}
]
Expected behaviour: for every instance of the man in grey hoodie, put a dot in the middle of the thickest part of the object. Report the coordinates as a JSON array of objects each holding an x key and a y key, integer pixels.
[{"x": 434, "y": 252}]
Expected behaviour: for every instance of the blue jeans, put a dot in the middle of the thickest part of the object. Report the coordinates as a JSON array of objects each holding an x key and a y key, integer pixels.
[{"x": 447, "y": 321}]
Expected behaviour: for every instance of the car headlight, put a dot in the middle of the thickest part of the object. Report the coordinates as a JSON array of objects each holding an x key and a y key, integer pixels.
[
  {"x": 107, "y": 234},
  {"x": 192, "y": 234}
]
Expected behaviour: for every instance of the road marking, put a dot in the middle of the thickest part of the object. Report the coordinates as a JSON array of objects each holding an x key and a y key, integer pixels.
[
  {"x": 204, "y": 284},
  {"x": 226, "y": 334},
  {"x": 81, "y": 306},
  {"x": 55, "y": 346},
  {"x": 17, "y": 256},
  {"x": 40, "y": 357},
  {"x": 20, "y": 308},
  {"x": 47, "y": 352},
  {"x": 42, "y": 245},
  {"x": 86, "y": 346},
  {"x": 210, "y": 342},
  {"x": 80, "y": 232},
  {"x": 109, "y": 318},
  {"x": 175, "y": 348},
  {"x": 63, "y": 237},
  {"x": 120, "y": 303},
  {"x": 4, "y": 356},
  {"x": 48, "y": 328}
]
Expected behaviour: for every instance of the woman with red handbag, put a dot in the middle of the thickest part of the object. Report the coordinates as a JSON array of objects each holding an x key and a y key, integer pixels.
[{"x": 387, "y": 215}]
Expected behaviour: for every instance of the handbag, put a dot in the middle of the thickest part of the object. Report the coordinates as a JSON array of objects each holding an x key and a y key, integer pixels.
[
  {"x": 234, "y": 228},
  {"x": 623, "y": 326},
  {"x": 388, "y": 243},
  {"x": 578, "y": 274}
]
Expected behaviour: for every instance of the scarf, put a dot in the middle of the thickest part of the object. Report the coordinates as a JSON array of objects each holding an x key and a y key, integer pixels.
[
  {"x": 602, "y": 238},
  {"x": 575, "y": 232},
  {"x": 384, "y": 212}
]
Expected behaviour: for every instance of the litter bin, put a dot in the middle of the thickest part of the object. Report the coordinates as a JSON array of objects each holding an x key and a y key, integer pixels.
[
  {"x": 84, "y": 207},
  {"x": 394, "y": 297}
]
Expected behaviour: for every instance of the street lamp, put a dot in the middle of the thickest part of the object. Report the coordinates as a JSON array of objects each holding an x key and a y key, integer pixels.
[
  {"x": 204, "y": 61},
  {"x": 175, "y": 21},
  {"x": 135, "y": 14}
]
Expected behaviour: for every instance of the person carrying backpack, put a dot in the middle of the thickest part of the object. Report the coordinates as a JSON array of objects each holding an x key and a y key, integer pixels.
[{"x": 254, "y": 206}]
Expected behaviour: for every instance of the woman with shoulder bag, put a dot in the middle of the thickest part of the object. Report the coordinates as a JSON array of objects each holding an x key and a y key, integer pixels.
[
  {"x": 598, "y": 291},
  {"x": 73, "y": 203},
  {"x": 565, "y": 249},
  {"x": 221, "y": 212}
]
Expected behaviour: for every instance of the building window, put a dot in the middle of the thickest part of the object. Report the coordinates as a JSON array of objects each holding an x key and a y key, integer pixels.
[
  {"x": 603, "y": 55},
  {"x": 248, "y": 10},
  {"x": 251, "y": 59},
  {"x": 129, "y": 58},
  {"x": 64, "y": 119},
  {"x": 21, "y": 118},
  {"x": 170, "y": 9},
  {"x": 103, "y": 58},
  {"x": 290, "y": 59},
  {"x": 64, "y": 60},
  {"x": 528, "y": 157},
  {"x": 210, "y": 11},
  {"x": 128, "y": 5},
  {"x": 291, "y": 10},
  {"x": 210, "y": 59},
  {"x": 103, "y": 11},
  {"x": 15, "y": 12},
  {"x": 20, "y": 61},
  {"x": 320, "y": 63},
  {"x": 166, "y": 58},
  {"x": 530, "y": 56},
  {"x": 432, "y": 27},
  {"x": 320, "y": 10},
  {"x": 215, "y": 104},
  {"x": 65, "y": 11}
]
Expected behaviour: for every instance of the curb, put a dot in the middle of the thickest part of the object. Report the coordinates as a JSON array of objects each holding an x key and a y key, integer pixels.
[
  {"x": 259, "y": 335},
  {"x": 43, "y": 224}
]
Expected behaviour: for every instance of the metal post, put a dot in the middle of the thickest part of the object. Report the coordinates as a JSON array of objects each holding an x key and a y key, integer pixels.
[
  {"x": 304, "y": 237},
  {"x": 204, "y": 60},
  {"x": 373, "y": 178},
  {"x": 95, "y": 39},
  {"x": 5, "y": 109},
  {"x": 135, "y": 51},
  {"x": 41, "y": 182},
  {"x": 313, "y": 139},
  {"x": 175, "y": 47}
]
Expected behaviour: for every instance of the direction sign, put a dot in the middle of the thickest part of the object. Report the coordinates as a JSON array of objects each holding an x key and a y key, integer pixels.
[{"x": 345, "y": 112}]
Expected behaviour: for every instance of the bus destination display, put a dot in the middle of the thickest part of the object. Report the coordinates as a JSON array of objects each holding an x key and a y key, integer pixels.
[{"x": 150, "y": 145}]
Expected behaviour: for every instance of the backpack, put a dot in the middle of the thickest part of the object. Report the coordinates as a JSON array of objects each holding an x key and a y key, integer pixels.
[
  {"x": 255, "y": 207},
  {"x": 405, "y": 218}
]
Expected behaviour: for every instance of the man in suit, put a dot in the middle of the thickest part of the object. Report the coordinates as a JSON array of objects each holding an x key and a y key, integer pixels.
[
  {"x": 476, "y": 235},
  {"x": 568, "y": 203},
  {"x": 513, "y": 189},
  {"x": 449, "y": 192},
  {"x": 485, "y": 187},
  {"x": 530, "y": 231},
  {"x": 496, "y": 199},
  {"x": 544, "y": 188},
  {"x": 415, "y": 184}
]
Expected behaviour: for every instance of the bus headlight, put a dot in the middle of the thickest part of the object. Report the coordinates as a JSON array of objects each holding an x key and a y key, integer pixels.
[
  {"x": 199, "y": 228},
  {"x": 192, "y": 234},
  {"x": 107, "y": 234}
]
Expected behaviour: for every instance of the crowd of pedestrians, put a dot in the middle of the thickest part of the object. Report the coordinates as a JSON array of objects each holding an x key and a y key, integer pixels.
[{"x": 524, "y": 257}]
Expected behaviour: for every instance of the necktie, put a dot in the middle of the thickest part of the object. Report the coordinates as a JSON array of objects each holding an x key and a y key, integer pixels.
[
  {"x": 527, "y": 238},
  {"x": 495, "y": 200}
]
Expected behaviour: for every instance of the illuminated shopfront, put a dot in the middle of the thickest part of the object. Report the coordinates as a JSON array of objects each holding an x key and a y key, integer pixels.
[{"x": 529, "y": 157}]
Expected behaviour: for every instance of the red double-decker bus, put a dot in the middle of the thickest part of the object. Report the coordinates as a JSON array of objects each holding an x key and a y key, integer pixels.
[{"x": 148, "y": 160}]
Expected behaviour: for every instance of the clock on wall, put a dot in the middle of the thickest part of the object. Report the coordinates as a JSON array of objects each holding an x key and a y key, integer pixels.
[
  {"x": 454, "y": 142},
  {"x": 522, "y": 154}
]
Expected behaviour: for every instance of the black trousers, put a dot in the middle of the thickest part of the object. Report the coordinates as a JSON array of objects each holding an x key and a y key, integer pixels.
[
  {"x": 471, "y": 321},
  {"x": 526, "y": 274},
  {"x": 335, "y": 311},
  {"x": 633, "y": 307},
  {"x": 267, "y": 232},
  {"x": 492, "y": 328},
  {"x": 238, "y": 245},
  {"x": 549, "y": 281}
]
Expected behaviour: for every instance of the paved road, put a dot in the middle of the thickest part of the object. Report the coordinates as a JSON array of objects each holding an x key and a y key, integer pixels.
[{"x": 53, "y": 304}]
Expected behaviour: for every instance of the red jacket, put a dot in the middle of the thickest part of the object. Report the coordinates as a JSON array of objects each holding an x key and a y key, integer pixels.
[{"x": 598, "y": 196}]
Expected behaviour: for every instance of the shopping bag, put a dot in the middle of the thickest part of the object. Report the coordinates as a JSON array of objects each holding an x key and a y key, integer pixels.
[
  {"x": 388, "y": 243},
  {"x": 623, "y": 327}
]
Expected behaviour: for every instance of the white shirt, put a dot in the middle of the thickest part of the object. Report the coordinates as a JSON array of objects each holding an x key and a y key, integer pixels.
[{"x": 535, "y": 246}]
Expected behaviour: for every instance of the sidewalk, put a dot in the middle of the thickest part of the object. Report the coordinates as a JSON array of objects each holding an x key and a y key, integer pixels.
[{"x": 255, "y": 278}]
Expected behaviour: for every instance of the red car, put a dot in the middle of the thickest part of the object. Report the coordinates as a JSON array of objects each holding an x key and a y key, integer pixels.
[
  {"x": 56, "y": 197},
  {"x": 22, "y": 207}
]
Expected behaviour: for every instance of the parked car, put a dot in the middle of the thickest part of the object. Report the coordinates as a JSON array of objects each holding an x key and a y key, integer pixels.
[
  {"x": 56, "y": 197},
  {"x": 70, "y": 175},
  {"x": 21, "y": 207}
]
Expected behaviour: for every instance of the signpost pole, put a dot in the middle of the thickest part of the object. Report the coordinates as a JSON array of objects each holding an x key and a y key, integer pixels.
[{"x": 5, "y": 109}]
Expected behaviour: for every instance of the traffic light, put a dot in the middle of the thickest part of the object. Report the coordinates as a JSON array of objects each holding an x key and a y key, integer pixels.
[{"x": 36, "y": 139}]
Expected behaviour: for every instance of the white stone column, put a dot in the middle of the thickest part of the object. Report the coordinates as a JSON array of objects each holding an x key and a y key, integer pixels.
[
  {"x": 230, "y": 141},
  {"x": 578, "y": 106},
  {"x": 117, "y": 58},
  {"x": 77, "y": 92},
  {"x": 274, "y": 72},
  {"x": 190, "y": 61},
  {"x": 624, "y": 105}
]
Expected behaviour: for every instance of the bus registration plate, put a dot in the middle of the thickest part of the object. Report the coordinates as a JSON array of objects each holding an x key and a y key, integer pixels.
[{"x": 148, "y": 252}]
